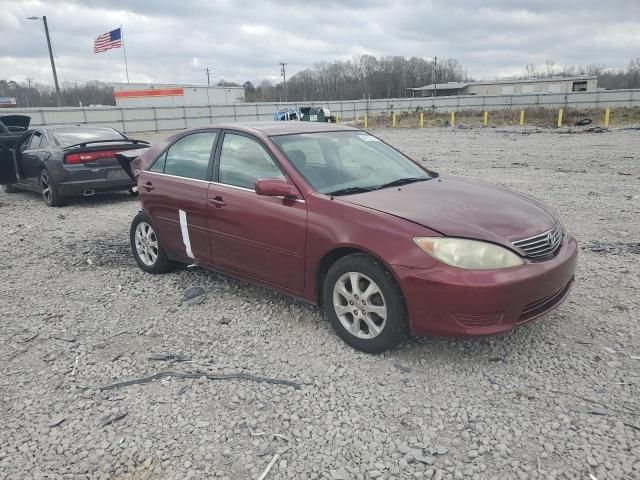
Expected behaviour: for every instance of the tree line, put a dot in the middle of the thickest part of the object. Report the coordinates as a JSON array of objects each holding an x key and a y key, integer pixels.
[
  {"x": 361, "y": 77},
  {"x": 364, "y": 76},
  {"x": 71, "y": 94}
]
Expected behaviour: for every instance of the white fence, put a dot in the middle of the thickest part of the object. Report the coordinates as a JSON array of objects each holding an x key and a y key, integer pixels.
[{"x": 157, "y": 119}]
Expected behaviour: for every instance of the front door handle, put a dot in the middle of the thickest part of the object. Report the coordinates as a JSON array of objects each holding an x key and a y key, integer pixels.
[
  {"x": 218, "y": 201},
  {"x": 148, "y": 186}
]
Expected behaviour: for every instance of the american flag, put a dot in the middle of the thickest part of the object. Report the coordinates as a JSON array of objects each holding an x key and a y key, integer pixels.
[{"x": 106, "y": 41}]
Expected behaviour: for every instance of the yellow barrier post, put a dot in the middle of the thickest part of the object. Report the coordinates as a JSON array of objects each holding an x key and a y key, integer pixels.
[
  {"x": 337, "y": 119},
  {"x": 522, "y": 118},
  {"x": 453, "y": 119},
  {"x": 485, "y": 119},
  {"x": 393, "y": 120},
  {"x": 559, "y": 118},
  {"x": 366, "y": 120},
  {"x": 421, "y": 119},
  {"x": 607, "y": 111}
]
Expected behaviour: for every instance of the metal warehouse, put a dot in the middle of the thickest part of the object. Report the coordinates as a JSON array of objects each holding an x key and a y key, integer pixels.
[
  {"x": 581, "y": 83},
  {"x": 169, "y": 95}
]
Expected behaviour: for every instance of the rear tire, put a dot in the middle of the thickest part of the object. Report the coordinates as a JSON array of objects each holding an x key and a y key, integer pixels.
[
  {"x": 9, "y": 189},
  {"x": 49, "y": 190},
  {"x": 364, "y": 304},
  {"x": 146, "y": 247}
]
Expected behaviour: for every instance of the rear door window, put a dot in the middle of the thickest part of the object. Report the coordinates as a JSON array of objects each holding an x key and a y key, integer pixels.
[{"x": 188, "y": 157}]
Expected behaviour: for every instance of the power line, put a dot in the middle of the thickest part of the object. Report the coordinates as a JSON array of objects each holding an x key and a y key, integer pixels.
[{"x": 208, "y": 72}]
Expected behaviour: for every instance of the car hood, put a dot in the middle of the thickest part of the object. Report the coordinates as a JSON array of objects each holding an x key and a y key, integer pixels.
[
  {"x": 460, "y": 207},
  {"x": 22, "y": 121}
]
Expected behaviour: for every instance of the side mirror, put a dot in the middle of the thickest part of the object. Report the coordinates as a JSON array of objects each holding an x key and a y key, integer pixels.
[{"x": 274, "y": 187}]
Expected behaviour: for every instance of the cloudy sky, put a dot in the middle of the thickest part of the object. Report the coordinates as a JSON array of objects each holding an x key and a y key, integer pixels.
[{"x": 173, "y": 41}]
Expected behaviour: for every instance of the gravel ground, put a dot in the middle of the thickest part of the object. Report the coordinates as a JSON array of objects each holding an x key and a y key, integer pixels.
[{"x": 555, "y": 399}]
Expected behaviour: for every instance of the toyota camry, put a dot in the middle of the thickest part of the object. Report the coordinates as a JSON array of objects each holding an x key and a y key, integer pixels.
[{"x": 335, "y": 216}]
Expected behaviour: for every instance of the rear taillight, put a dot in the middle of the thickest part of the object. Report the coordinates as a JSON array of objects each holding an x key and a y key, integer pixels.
[{"x": 85, "y": 157}]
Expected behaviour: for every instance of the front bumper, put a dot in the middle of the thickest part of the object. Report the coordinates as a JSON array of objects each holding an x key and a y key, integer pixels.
[{"x": 454, "y": 302}]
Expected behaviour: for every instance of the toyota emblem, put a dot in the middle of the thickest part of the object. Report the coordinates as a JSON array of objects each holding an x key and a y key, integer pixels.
[{"x": 550, "y": 238}]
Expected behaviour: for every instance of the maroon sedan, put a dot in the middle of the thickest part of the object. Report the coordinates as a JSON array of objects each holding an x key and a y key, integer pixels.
[{"x": 335, "y": 216}]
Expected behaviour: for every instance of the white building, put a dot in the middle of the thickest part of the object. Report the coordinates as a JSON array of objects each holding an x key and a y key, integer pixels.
[
  {"x": 169, "y": 95},
  {"x": 583, "y": 83}
]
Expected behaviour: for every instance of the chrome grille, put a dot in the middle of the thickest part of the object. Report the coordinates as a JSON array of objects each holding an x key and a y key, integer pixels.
[{"x": 541, "y": 245}]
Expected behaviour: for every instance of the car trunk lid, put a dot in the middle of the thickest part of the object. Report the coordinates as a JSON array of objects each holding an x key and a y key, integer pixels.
[{"x": 16, "y": 121}]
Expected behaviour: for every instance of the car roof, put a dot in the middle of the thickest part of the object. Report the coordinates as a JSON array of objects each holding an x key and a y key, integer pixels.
[{"x": 280, "y": 128}]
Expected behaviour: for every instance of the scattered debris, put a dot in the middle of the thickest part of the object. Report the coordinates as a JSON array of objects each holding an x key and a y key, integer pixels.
[
  {"x": 57, "y": 420},
  {"x": 208, "y": 376},
  {"x": 609, "y": 350},
  {"x": 65, "y": 338},
  {"x": 113, "y": 418},
  {"x": 566, "y": 170},
  {"x": 583, "y": 122},
  {"x": 273, "y": 461},
  {"x": 54, "y": 316},
  {"x": 618, "y": 248},
  {"x": 169, "y": 357},
  {"x": 193, "y": 292},
  {"x": 401, "y": 367},
  {"x": 225, "y": 321},
  {"x": 626, "y": 174},
  {"x": 119, "y": 333},
  {"x": 28, "y": 339},
  {"x": 269, "y": 434},
  {"x": 75, "y": 367}
]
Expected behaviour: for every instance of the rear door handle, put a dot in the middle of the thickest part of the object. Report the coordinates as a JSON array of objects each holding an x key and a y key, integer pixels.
[
  {"x": 148, "y": 186},
  {"x": 218, "y": 202}
]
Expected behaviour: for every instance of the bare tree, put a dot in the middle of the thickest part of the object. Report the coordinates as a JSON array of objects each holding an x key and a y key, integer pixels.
[
  {"x": 551, "y": 65},
  {"x": 531, "y": 70}
]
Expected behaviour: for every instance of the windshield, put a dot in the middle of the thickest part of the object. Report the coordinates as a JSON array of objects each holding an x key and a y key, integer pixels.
[
  {"x": 73, "y": 136},
  {"x": 347, "y": 162}
]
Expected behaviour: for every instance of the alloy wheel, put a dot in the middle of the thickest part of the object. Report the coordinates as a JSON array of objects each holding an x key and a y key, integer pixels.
[
  {"x": 360, "y": 305},
  {"x": 146, "y": 243},
  {"x": 45, "y": 183}
]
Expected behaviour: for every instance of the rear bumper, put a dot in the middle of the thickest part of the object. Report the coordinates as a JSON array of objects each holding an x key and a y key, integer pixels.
[
  {"x": 454, "y": 302},
  {"x": 76, "y": 179}
]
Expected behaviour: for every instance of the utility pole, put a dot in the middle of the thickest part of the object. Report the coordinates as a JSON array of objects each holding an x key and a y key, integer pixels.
[
  {"x": 53, "y": 64},
  {"x": 207, "y": 71},
  {"x": 283, "y": 72},
  {"x": 28, "y": 90},
  {"x": 435, "y": 79}
]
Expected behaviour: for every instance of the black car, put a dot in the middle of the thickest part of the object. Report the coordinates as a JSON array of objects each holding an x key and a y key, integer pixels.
[{"x": 65, "y": 161}]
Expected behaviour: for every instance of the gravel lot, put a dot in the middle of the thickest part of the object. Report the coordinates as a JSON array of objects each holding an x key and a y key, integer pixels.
[{"x": 555, "y": 399}]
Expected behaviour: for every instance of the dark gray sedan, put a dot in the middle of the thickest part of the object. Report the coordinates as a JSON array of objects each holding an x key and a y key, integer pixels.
[{"x": 64, "y": 161}]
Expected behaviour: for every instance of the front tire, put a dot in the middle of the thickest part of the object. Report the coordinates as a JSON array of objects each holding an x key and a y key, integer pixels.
[
  {"x": 49, "y": 190},
  {"x": 146, "y": 247},
  {"x": 364, "y": 304}
]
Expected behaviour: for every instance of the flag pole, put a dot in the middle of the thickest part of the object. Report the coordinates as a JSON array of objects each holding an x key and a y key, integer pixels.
[{"x": 124, "y": 50}]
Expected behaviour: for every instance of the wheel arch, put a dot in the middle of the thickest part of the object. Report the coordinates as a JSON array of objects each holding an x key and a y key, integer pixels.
[{"x": 335, "y": 254}]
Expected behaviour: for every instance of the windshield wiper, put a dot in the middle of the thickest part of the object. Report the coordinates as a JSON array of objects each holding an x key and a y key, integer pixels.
[
  {"x": 350, "y": 190},
  {"x": 402, "y": 181}
]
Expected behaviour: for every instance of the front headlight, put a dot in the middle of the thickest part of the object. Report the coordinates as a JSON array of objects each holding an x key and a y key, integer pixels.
[{"x": 468, "y": 254}]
